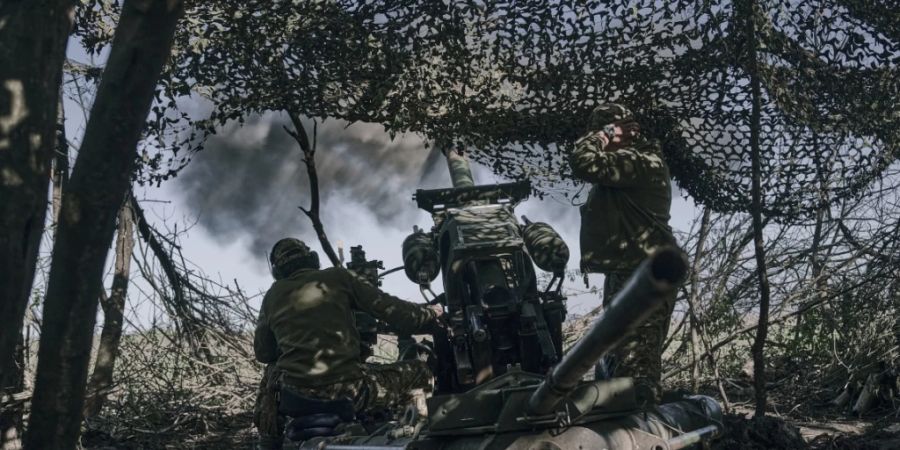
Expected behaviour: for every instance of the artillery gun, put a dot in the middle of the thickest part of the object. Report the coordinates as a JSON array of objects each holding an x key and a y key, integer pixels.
[
  {"x": 498, "y": 319},
  {"x": 503, "y": 381}
]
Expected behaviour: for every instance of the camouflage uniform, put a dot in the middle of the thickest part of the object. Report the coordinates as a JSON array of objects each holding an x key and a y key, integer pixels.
[
  {"x": 624, "y": 219},
  {"x": 269, "y": 424},
  {"x": 640, "y": 355},
  {"x": 306, "y": 331},
  {"x": 383, "y": 386}
]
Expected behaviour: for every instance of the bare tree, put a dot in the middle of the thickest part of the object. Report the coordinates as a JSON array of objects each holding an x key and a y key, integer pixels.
[
  {"x": 309, "y": 159},
  {"x": 756, "y": 208},
  {"x": 60, "y": 165},
  {"x": 837, "y": 271},
  {"x": 113, "y": 314},
  {"x": 187, "y": 295},
  {"x": 693, "y": 297},
  {"x": 97, "y": 188}
]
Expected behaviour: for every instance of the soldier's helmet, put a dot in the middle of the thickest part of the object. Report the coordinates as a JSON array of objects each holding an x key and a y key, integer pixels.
[
  {"x": 608, "y": 113},
  {"x": 289, "y": 255}
]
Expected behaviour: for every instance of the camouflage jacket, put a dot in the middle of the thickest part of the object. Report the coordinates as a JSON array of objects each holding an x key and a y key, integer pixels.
[
  {"x": 307, "y": 328},
  {"x": 626, "y": 215}
]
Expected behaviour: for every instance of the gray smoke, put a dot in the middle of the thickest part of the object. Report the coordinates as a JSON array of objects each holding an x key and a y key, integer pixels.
[{"x": 250, "y": 179}]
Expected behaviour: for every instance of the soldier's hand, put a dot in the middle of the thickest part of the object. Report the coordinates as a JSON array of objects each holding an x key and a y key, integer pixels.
[
  {"x": 439, "y": 323},
  {"x": 438, "y": 310}
]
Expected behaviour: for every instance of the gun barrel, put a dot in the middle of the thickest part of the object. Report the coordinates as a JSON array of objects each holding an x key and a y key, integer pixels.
[
  {"x": 460, "y": 172},
  {"x": 647, "y": 289}
]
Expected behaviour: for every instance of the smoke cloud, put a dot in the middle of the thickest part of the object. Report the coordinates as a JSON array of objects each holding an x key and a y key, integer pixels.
[
  {"x": 247, "y": 184},
  {"x": 250, "y": 179}
]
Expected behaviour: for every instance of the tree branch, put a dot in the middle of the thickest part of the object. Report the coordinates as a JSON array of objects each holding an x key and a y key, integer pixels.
[{"x": 309, "y": 159}]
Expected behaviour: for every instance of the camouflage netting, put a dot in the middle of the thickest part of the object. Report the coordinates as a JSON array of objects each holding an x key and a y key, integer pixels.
[{"x": 516, "y": 80}]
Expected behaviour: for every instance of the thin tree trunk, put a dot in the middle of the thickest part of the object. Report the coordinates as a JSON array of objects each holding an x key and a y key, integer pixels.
[
  {"x": 762, "y": 330},
  {"x": 33, "y": 38},
  {"x": 60, "y": 166},
  {"x": 113, "y": 315},
  {"x": 714, "y": 366},
  {"x": 822, "y": 213},
  {"x": 814, "y": 260},
  {"x": 309, "y": 159},
  {"x": 817, "y": 268},
  {"x": 95, "y": 192},
  {"x": 694, "y": 297}
]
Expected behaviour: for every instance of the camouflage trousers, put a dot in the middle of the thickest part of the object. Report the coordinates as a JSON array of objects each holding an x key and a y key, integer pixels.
[
  {"x": 639, "y": 355},
  {"x": 382, "y": 387},
  {"x": 269, "y": 424}
]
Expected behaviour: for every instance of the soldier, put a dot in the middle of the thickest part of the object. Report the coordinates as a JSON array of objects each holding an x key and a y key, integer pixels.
[
  {"x": 307, "y": 335},
  {"x": 624, "y": 219}
]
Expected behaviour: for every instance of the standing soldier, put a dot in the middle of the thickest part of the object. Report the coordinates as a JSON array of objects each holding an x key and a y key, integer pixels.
[
  {"x": 624, "y": 219},
  {"x": 307, "y": 335}
]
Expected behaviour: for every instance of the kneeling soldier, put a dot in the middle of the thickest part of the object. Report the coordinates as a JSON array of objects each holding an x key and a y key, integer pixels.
[{"x": 306, "y": 333}]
